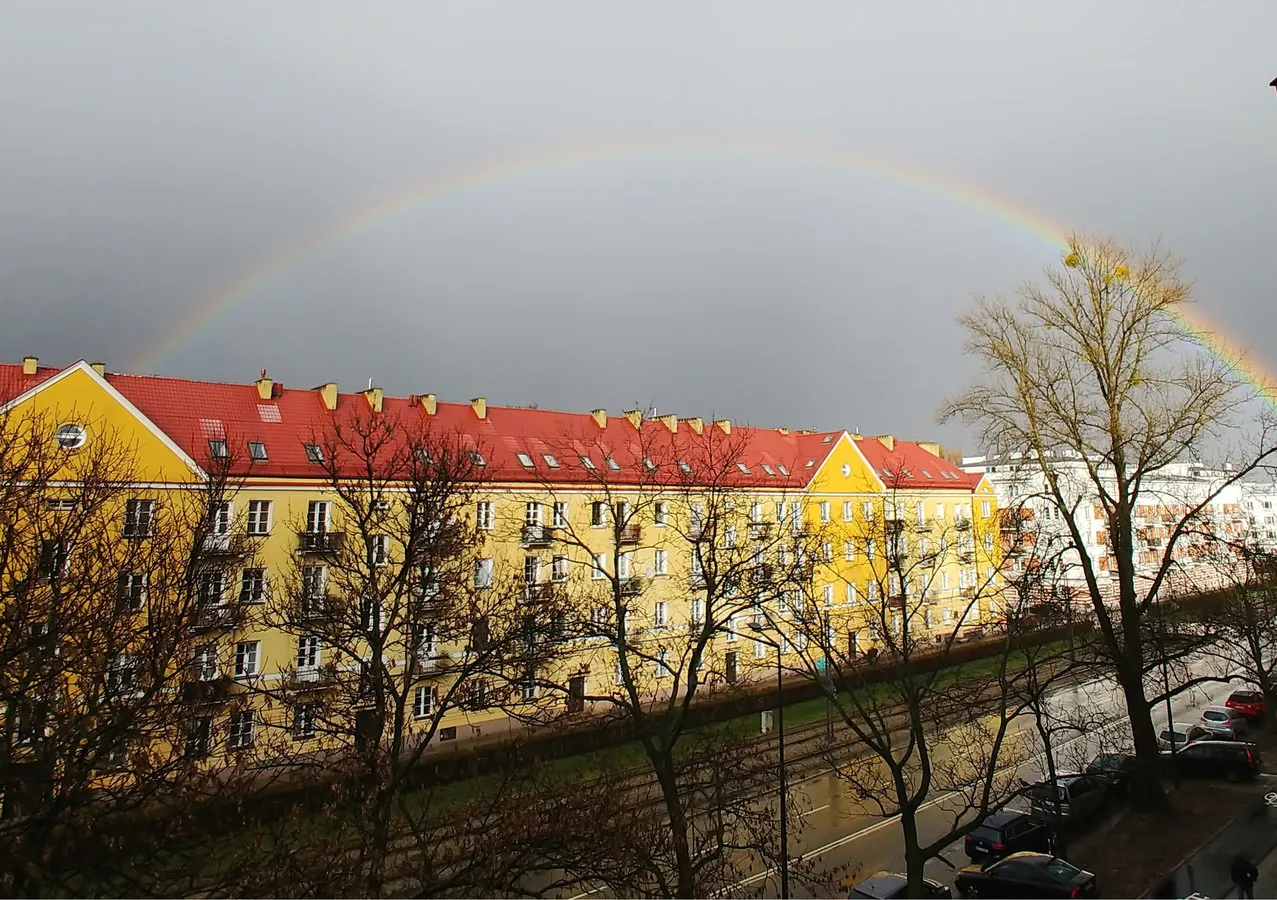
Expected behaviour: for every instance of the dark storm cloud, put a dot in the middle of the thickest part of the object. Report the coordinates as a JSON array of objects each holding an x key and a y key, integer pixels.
[{"x": 150, "y": 154}]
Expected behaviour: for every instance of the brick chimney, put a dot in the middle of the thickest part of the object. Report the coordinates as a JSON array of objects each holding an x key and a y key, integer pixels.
[
  {"x": 429, "y": 403},
  {"x": 328, "y": 393},
  {"x": 29, "y": 364},
  {"x": 264, "y": 386},
  {"x": 671, "y": 422},
  {"x": 695, "y": 423},
  {"x": 480, "y": 407},
  {"x": 374, "y": 396},
  {"x": 887, "y": 441},
  {"x": 99, "y": 367},
  {"x": 635, "y": 416},
  {"x": 724, "y": 425},
  {"x": 600, "y": 417},
  {"x": 931, "y": 447}
]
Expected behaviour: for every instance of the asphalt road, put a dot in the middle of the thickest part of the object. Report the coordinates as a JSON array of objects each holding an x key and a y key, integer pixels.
[{"x": 842, "y": 838}]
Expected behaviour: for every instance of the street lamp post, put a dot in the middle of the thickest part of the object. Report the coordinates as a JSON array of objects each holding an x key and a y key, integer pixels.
[{"x": 780, "y": 749}]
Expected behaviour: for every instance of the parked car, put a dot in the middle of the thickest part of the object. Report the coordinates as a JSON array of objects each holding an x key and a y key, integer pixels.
[
  {"x": 888, "y": 885},
  {"x": 1072, "y": 800},
  {"x": 1250, "y": 704},
  {"x": 1223, "y": 722},
  {"x": 1116, "y": 767},
  {"x": 1183, "y": 735},
  {"x": 1004, "y": 832},
  {"x": 1026, "y": 875},
  {"x": 1233, "y": 760}
]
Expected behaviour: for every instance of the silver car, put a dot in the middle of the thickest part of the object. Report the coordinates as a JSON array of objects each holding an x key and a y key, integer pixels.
[
  {"x": 1182, "y": 734},
  {"x": 1223, "y": 722}
]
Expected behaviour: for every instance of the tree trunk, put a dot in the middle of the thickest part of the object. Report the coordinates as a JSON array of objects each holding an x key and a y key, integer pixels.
[
  {"x": 1146, "y": 780},
  {"x": 678, "y": 827},
  {"x": 914, "y": 858}
]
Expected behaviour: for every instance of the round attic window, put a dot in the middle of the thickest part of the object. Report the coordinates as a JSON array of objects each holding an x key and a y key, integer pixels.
[
  {"x": 846, "y": 470},
  {"x": 70, "y": 436}
]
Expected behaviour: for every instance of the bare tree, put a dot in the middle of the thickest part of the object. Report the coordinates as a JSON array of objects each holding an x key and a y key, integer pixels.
[{"x": 1096, "y": 364}]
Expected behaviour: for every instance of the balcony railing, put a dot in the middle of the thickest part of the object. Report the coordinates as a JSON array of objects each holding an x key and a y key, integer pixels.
[
  {"x": 214, "y": 616},
  {"x": 319, "y": 541},
  {"x": 760, "y": 531},
  {"x": 963, "y": 524},
  {"x": 312, "y": 679},
  {"x": 433, "y": 659},
  {"x": 540, "y": 590},
  {"x": 206, "y": 690},
  {"x": 537, "y": 535},
  {"x": 631, "y": 587},
  {"x": 315, "y": 606},
  {"x": 630, "y": 534},
  {"x": 761, "y": 573},
  {"x": 225, "y": 544}
]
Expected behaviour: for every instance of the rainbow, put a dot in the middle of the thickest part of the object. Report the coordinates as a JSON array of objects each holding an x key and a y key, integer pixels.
[{"x": 231, "y": 294}]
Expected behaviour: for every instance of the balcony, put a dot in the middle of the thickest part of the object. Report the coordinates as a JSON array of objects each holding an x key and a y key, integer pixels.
[
  {"x": 630, "y": 534},
  {"x": 319, "y": 541},
  {"x": 219, "y": 616},
  {"x": 313, "y": 607},
  {"x": 631, "y": 587},
  {"x": 537, "y": 536},
  {"x": 893, "y": 527},
  {"x": 225, "y": 544},
  {"x": 763, "y": 573},
  {"x": 760, "y": 531},
  {"x": 312, "y": 679},
  {"x": 205, "y": 691},
  {"x": 541, "y": 590},
  {"x": 432, "y": 659},
  {"x": 963, "y": 524},
  {"x": 965, "y": 557}
]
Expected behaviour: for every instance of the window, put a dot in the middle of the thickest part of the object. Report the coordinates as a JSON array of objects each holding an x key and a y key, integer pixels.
[
  {"x": 649, "y": 465},
  {"x": 768, "y": 469},
  {"x": 661, "y": 563},
  {"x": 212, "y": 587},
  {"x": 619, "y": 674},
  {"x": 258, "y": 516},
  {"x": 621, "y": 513},
  {"x": 623, "y": 565},
  {"x": 307, "y": 654},
  {"x": 199, "y": 739},
  {"x": 560, "y": 514},
  {"x": 588, "y": 463},
  {"x": 317, "y": 517},
  {"x": 121, "y": 676},
  {"x": 869, "y": 510},
  {"x": 483, "y": 572},
  {"x": 697, "y": 518},
  {"x": 733, "y": 628},
  {"x": 528, "y": 688},
  {"x": 137, "y": 517},
  {"x": 698, "y": 610},
  {"x": 525, "y": 460},
  {"x": 532, "y": 514},
  {"x": 661, "y": 512},
  {"x": 130, "y": 591},
  {"x": 796, "y": 516},
  {"x": 827, "y": 551},
  {"x": 698, "y": 566},
  {"x": 314, "y": 579},
  {"x": 550, "y": 460},
  {"x": 851, "y": 593},
  {"x": 531, "y": 570},
  {"x": 684, "y": 467},
  {"x": 205, "y": 662},
  {"x": 306, "y": 720},
  {"x": 744, "y": 468},
  {"x": 217, "y": 450},
  {"x": 729, "y": 536},
  {"x": 314, "y": 453},
  {"x": 829, "y": 595},
  {"x": 939, "y": 510},
  {"x": 241, "y": 730},
  {"x": 922, "y": 513},
  {"x": 661, "y": 615},
  {"x": 946, "y": 615},
  {"x": 246, "y": 658},
  {"x": 423, "y": 701},
  {"x": 612, "y": 464},
  {"x": 846, "y": 510},
  {"x": 755, "y": 513},
  {"x": 926, "y": 619},
  {"x": 476, "y": 457},
  {"x": 663, "y": 669},
  {"x": 869, "y": 548},
  {"x": 984, "y": 508},
  {"x": 849, "y": 550},
  {"x": 871, "y": 590},
  {"x": 988, "y": 542},
  {"x": 252, "y": 585},
  {"x": 379, "y": 549},
  {"x": 599, "y": 572},
  {"x": 760, "y": 650},
  {"x": 824, "y": 510},
  {"x": 944, "y": 581},
  {"x": 559, "y": 568},
  {"x": 70, "y": 436},
  {"x": 598, "y": 513},
  {"x": 256, "y": 450},
  {"x": 485, "y": 517},
  {"x": 781, "y": 510}
]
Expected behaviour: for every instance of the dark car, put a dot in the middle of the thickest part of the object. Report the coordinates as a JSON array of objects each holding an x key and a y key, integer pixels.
[
  {"x": 1005, "y": 832},
  {"x": 1250, "y": 704},
  {"x": 1076, "y": 799},
  {"x": 887, "y": 885},
  {"x": 1116, "y": 767},
  {"x": 1233, "y": 760},
  {"x": 1026, "y": 875}
]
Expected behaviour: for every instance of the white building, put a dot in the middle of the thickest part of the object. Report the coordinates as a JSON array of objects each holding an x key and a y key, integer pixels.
[{"x": 1242, "y": 511}]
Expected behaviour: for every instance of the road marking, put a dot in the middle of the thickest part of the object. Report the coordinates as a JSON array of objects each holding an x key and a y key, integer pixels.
[{"x": 826, "y": 806}]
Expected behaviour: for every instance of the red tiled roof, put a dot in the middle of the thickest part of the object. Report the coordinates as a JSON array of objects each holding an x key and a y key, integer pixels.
[
  {"x": 908, "y": 467},
  {"x": 193, "y": 412}
]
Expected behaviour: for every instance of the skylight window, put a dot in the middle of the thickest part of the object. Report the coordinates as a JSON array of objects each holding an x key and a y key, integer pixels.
[
  {"x": 256, "y": 450},
  {"x": 767, "y": 469},
  {"x": 589, "y": 463},
  {"x": 525, "y": 459},
  {"x": 423, "y": 456},
  {"x": 682, "y": 464},
  {"x": 217, "y": 449},
  {"x": 810, "y": 463},
  {"x": 828, "y": 438},
  {"x": 550, "y": 460},
  {"x": 476, "y": 457},
  {"x": 744, "y": 468},
  {"x": 314, "y": 453},
  {"x": 926, "y": 474},
  {"x": 649, "y": 465},
  {"x": 783, "y": 470},
  {"x": 612, "y": 464}
]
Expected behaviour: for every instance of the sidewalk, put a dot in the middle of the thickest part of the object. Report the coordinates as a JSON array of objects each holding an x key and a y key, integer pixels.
[{"x": 1206, "y": 873}]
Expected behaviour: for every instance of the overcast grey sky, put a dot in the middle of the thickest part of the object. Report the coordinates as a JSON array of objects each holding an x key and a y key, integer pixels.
[{"x": 151, "y": 154}]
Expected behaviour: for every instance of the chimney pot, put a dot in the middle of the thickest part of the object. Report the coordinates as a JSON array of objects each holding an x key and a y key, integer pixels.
[
  {"x": 600, "y": 417},
  {"x": 480, "y": 407},
  {"x": 29, "y": 364},
  {"x": 429, "y": 403}
]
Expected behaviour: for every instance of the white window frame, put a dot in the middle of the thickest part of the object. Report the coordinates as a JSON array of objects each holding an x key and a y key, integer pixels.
[
  {"x": 485, "y": 515},
  {"x": 847, "y": 510},
  {"x": 824, "y": 511},
  {"x": 661, "y": 513},
  {"x": 259, "y": 517},
  {"x": 559, "y": 568},
  {"x": 849, "y": 551},
  {"x": 248, "y": 659},
  {"x": 242, "y": 729},
  {"x": 985, "y": 508},
  {"x": 598, "y": 571},
  {"x": 698, "y": 610},
  {"x": 560, "y": 514},
  {"x": 317, "y": 517},
  {"x": 660, "y": 614},
  {"x": 309, "y": 654},
  {"x": 424, "y": 698},
  {"x": 661, "y": 562},
  {"x": 532, "y": 514},
  {"x": 483, "y": 571}
]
